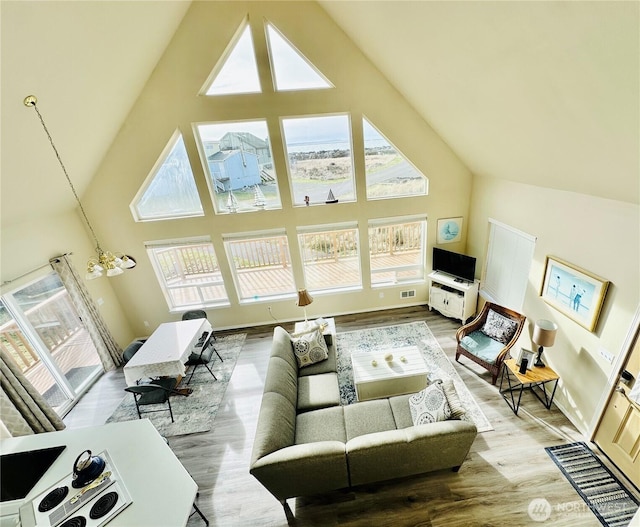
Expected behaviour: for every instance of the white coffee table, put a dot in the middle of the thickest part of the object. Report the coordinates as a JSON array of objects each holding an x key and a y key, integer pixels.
[{"x": 406, "y": 373}]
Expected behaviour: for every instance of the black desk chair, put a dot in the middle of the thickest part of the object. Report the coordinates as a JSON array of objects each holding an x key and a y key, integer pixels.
[
  {"x": 203, "y": 357},
  {"x": 156, "y": 392}
]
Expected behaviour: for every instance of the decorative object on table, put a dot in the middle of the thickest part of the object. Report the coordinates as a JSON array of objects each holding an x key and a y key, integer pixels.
[
  {"x": 523, "y": 366},
  {"x": 304, "y": 299},
  {"x": 449, "y": 230},
  {"x": 232, "y": 203},
  {"x": 331, "y": 198},
  {"x": 574, "y": 292},
  {"x": 544, "y": 335},
  {"x": 113, "y": 263},
  {"x": 197, "y": 412},
  {"x": 86, "y": 468},
  {"x": 527, "y": 355},
  {"x": 608, "y": 500},
  {"x": 259, "y": 201},
  {"x": 397, "y": 337}
]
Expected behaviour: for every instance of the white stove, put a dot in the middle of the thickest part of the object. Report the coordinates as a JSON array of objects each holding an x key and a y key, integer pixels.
[{"x": 93, "y": 505}]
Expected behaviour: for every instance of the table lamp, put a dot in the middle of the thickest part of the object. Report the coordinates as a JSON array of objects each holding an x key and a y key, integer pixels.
[
  {"x": 304, "y": 299},
  {"x": 544, "y": 335}
]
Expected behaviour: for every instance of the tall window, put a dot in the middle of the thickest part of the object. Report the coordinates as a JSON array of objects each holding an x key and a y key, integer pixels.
[
  {"x": 238, "y": 162},
  {"x": 291, "y": 70},
  {"x": 396, "y": 251},
  {"x": 320, "y": 161},
  {"x": 170, "y": 190},
  {"x": 331, "y": 257},
  {"x": 42, "y": 333},
  {"x": 188, "y": 273},
  {"x": 237, "y": 71},
  {"x": 389, "y": 173},
  {"x": 261, "y": 265}
]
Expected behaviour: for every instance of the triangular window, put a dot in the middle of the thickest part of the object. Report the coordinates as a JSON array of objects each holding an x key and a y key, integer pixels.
[
  {"x": 170, "y": 189},
  {"x": 237, "y": 71},
  {"x": 388, "y": 173},
  {"x": 291, "y": 70}
]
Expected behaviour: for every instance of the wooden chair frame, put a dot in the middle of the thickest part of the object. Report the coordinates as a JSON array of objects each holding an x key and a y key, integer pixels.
[{"x": 476, "y": 324}]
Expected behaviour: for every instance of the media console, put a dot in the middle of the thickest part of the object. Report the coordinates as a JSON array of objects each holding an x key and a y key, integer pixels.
[{"x": 453, "y": 297}]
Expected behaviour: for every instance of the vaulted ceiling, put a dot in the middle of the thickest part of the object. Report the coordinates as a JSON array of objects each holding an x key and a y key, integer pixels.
[{"x": 543, "y": 93}]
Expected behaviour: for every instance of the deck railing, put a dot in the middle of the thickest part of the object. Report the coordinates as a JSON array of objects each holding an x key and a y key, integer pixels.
[
  {"x": 196, "y": 268},
  {"x": 53, "y": 321}
]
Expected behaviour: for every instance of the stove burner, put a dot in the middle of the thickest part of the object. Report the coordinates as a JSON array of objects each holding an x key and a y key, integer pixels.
[
  {"x": 76, "y": 521},
  {"x": 53, "y": 499},
  {"x": 104, "y": 504}
]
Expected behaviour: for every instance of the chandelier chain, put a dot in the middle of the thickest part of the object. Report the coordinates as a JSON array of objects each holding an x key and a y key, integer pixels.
[{"x": 75, "y": 194}]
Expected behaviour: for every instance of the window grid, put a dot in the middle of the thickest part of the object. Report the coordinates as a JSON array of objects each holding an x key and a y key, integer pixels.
[
  {"x": 331, "y": 259},
  {"x": 261, "y": 266},
  {"x": 188, "y": 274},
  {"x": 396, "y": 252}
]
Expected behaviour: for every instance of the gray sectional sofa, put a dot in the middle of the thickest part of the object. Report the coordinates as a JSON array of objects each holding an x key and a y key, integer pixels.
[{"x": 307, "y": 443}]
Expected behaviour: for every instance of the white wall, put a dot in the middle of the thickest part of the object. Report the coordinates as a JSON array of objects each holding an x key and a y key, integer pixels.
[{"x": 598, "y": 235}]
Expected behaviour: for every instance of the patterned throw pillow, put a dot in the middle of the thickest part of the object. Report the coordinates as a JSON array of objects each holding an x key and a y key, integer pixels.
[
  {"x": 499, "y": 328},
  {"x": 309, "y": 347},
  {"x": 430, "y": 405},
  {"x": 457, "y": 410}
]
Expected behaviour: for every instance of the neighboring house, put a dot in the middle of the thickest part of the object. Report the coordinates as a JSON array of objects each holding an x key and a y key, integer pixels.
[
  {"x": 233, "y": 170},
  {"x": 247, "y": 142}
]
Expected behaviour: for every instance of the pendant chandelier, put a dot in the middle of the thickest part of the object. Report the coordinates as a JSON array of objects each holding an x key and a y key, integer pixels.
[{"x": 113, "y": 264}]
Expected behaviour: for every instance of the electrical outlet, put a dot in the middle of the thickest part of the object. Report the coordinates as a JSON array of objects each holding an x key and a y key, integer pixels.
[
  {"x": 100, "y": 301},
  {"x": 146, "y": 324},
  {"x": 381, "y": 294},
  {"x": 606, "y": 355}
]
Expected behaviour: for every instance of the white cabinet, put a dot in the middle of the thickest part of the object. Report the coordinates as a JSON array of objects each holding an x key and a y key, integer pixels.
[{"x": 452, "y": 297}]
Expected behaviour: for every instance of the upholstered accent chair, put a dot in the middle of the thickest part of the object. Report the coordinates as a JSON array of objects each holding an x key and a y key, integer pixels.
[{"x": 488, "y": 338}]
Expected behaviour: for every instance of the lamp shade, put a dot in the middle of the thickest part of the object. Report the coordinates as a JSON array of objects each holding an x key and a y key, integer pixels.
[
  {"x": 304, "y": 298},
  {"x": 544, "y": 333}
]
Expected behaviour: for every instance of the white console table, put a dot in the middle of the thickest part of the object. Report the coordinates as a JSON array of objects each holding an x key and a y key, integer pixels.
[
  {"x": 454, "y": 298},
  {"x": 162, "y": 491}
]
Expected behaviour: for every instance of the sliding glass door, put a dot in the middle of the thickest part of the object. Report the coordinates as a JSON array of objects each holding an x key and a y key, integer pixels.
[{"x": 42, "y": 333}]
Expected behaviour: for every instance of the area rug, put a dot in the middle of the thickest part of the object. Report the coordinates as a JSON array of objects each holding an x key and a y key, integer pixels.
[
  {"x": 603, "y": 492},
  {"x": 394, "y": 338},
  {"x": 197, "y": 412}
]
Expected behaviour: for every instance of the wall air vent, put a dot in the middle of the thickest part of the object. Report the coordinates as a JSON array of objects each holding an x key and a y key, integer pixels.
[{"x": 408, "y": 294}]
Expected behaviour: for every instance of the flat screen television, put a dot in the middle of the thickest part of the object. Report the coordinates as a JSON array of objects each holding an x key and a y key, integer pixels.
[{"x": 458, "y": 265}]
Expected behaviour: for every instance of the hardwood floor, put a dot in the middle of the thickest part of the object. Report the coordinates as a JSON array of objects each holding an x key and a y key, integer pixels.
[{"x": 506, "y": 469}]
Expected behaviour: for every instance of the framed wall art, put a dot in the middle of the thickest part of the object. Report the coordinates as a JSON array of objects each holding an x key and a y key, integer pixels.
[
  {"x": 449, "y": 230},
  {"x": 575, "y": 292}
]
